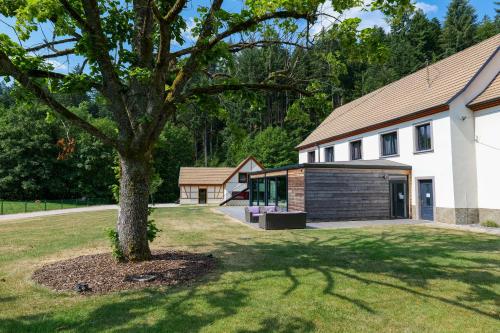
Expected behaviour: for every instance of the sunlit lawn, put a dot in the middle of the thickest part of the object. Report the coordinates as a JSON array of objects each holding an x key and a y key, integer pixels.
[
  {"x": 15, "y": 207},
  {"x": 382, "y": 279}
]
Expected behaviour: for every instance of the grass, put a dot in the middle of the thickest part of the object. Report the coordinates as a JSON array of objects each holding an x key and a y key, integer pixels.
[
  {"x": 14, "y": 207},
  {"x": 490, "y": 224},
  {"x": 390, "y": 279}
]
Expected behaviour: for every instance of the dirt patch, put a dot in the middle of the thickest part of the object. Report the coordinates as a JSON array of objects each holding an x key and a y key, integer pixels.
[{"x": 102, "y": 274}]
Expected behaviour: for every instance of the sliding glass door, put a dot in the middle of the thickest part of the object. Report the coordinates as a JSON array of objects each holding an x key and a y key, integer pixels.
[{"x": 269, "y": 191}]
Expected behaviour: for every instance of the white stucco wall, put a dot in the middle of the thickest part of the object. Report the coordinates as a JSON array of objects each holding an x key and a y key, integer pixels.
[
  {"x": 463, "y": 136},
  {"x": 437, "y": 163},
  {"x": 487, "y": 144},
  {"x": 233, "y": 185},
  {"x": 189, "y": 194}
]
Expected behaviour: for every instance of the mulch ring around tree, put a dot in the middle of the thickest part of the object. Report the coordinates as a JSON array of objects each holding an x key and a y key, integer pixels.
[{"x": 101, "y": 273}]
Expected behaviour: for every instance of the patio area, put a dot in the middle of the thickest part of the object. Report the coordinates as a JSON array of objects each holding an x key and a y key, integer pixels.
[{"x": 238, "y": 213}]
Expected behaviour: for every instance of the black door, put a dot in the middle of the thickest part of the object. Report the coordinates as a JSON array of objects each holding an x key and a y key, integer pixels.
[
  {"x": 426, "y": 199},
  {"x": 398, "y": 199},
  {"x": 202, "y": 196}
]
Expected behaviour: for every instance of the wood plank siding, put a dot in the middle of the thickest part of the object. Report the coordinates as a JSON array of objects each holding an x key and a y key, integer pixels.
[
  {"x": 296, "y": 190},
  {"x": 343, "y": 195}
]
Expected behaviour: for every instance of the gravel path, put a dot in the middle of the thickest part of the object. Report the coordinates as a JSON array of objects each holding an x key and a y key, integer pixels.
[{"x": 69, "y": 211}]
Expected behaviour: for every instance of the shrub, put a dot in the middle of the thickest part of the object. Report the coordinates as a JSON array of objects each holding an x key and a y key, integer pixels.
[
  {"x": 490, "y": 223},
  {"x": 115, "y": 245}
]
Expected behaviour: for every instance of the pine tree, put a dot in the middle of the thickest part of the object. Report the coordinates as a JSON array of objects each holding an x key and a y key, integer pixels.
[{"x": 459, "y": 27}]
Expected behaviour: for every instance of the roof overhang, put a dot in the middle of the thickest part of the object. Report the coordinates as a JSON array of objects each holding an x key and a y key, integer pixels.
[
  {"x": 392, "y": 122},
  {"x": 358, "y": 164},
  {"x": 484, "y": 105}
]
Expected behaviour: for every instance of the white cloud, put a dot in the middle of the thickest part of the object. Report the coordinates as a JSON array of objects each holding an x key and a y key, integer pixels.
[
  {"x": 58, "y": 66},
  {"x": 426, "y": 7},
  {"x": 368, "y": 18}
]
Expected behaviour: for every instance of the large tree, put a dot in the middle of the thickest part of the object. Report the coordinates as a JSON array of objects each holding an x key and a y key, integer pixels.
[
  {"x": 459, "y": 27},
  {"x": 129, "y": 50}
]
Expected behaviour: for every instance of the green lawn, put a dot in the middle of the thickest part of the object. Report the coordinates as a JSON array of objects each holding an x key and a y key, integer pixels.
[
  {"x": 14, "y": 207},
  {"x": 382, "y": 279}
]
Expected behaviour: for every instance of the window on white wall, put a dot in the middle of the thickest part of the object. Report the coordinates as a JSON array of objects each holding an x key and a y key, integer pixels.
[
  {"x": 389, "y": 144},
  {"x": 329, "y": 157},
  {"x": 423, "y": 137},
  {"x": 356, "y": 153},
  {"x": 311, "y": 157},
  {"x": 242, "y": 177}
]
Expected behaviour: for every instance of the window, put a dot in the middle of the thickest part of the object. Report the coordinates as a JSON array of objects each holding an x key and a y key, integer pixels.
[
  {"x": 389, "y": 144},
  {"x": 329, "y": 154},
  {"x": 356, "y": 150},
  {"x": 311, "y": 157},
  {"x": 242, "y": 177},
  {"x": 423, "y": 137}
]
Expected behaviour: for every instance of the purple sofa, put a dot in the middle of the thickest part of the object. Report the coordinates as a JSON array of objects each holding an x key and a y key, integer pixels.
[{"x": 253, "y": 213}]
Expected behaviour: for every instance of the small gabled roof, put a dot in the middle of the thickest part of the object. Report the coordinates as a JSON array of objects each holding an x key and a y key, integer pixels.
[
  {"x": 427, "y": 91},
  {"x": 244, "y": 162},
  {"x": 489, "y": 97},
  {"x": 211, "y": 175},
  {"x": 203, "y": 176}
]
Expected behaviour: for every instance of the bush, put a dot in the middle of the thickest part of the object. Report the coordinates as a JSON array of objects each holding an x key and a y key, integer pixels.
[
  {"x": 490, "y": 224},
  {"x": 115, "y": 245}
]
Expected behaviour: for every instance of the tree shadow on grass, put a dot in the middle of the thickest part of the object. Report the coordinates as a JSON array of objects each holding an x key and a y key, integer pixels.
[
  {"x": 411, "y": 259},
  {"x": 405, "y": 261}
]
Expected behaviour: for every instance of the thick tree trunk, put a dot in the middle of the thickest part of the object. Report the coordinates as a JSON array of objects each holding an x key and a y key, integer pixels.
[{"x": 133, "y": 216}]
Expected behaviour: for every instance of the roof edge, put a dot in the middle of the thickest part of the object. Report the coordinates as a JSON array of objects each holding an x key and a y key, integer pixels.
[
  {"x": 395, "y": 121},
  {"x": 334, "y": 165},
  {"x": 475, "y": 75},
  {"x": 495, "y": 101},
  {"x": 242, "y": 163}
]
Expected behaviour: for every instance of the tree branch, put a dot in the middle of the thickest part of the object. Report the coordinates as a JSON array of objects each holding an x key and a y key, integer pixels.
[
  {"x": 220, "y": 88},
  {"x": 75, "y": 16},
  {"x": 174, "y": 11},
  {"x": 38, "y": 73},
  {"x": 51, "y": 44},
  {"x": 8, "y": 68},
  {"x": 242, "y": 26},
  {"x": 58, "y": 54},
  {"x": 112, "y": 87},
  {"x": 246, "y": 45}
]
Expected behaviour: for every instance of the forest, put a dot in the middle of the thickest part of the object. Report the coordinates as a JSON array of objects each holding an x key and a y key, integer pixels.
[{"x": 44, "y": 157}]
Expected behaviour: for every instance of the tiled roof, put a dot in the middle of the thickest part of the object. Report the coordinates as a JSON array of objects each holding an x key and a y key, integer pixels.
[
  {"x": 428, "y": 88},
  {"x": 211, "y": 176},
  {"x": 492, "y": 92},
  {"x": 204, "y": 176}
]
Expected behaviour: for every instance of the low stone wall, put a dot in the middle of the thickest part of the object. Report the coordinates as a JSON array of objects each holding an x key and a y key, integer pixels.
[{"x": 489, "y": 214}]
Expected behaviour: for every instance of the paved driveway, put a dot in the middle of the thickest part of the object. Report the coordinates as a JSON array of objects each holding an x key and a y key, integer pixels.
[{"x": 238, "y": 213}]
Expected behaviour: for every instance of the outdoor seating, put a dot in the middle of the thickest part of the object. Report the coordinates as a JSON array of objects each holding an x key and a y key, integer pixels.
[
  {"x": 282, "y": 220},
  {"x": 252, "y": 213}
]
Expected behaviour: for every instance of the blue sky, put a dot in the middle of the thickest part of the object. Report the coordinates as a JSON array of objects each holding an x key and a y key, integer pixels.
[{"x": 433, "y": 8}]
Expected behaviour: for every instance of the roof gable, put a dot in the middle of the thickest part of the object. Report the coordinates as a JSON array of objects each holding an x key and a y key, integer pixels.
[
  {"x": 488, "y": 97},
  {"x": 241, "y": 165},
  {"x": 431, "y": 88},
  {"x": 211, "y": 175}
]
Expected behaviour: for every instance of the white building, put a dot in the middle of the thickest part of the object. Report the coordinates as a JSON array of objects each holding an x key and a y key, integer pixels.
[
  {"x": 443, "y": 121},
  {"x": 200, "y": 185}
]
